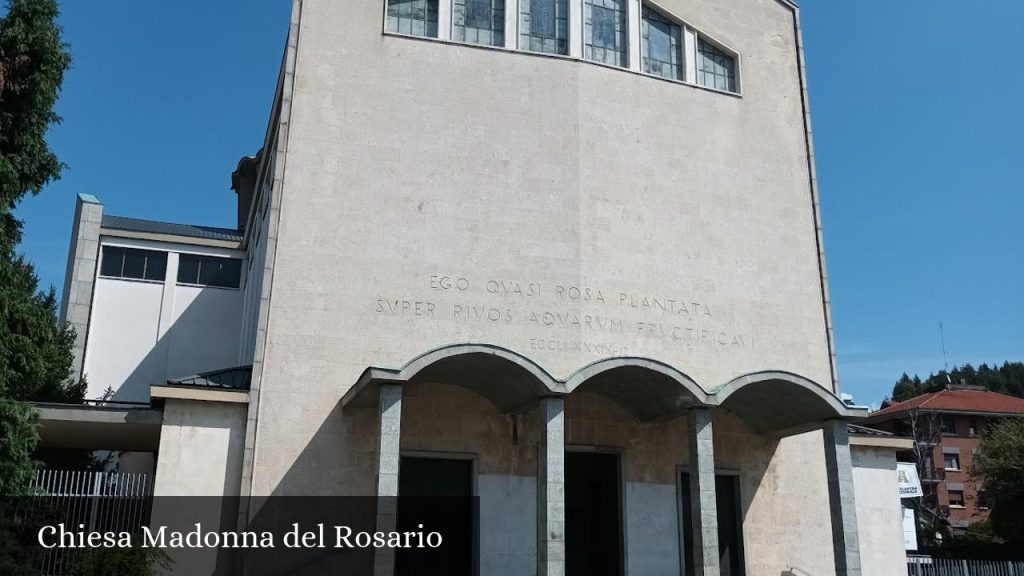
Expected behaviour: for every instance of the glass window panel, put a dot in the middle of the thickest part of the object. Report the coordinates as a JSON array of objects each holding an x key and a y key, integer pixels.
[
  {"x": 418, "y": 17},
  {"x": 134, "y": 264},
  {"x": 188, "y": 269},
  {"x": 478, "y": 13},
  {"x": 156, "y": 265},
  {"x": 604, "y": 31},
  {"x": 543, "y": 26},
  {"x": 113, "y": 260},
  {"x": 661, "y": 45},
  {"x": 717, "y": 69}
]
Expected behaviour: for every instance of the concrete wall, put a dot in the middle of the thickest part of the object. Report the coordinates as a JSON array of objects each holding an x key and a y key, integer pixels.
[
  {"x": 143, "y": 332},
  {"x": 438, "y": 193},
  {"x": 201, "y": 447},
  {"x": 879, "y": 514}
]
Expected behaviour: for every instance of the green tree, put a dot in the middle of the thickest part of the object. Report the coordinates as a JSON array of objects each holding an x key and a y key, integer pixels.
[
  {"x": 35, "y": 351},
  {"x": 1006, "y": 379},
  {"x": 1000, "y": 467}
]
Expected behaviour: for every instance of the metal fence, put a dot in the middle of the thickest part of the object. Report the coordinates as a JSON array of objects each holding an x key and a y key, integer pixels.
[
  {"x": 92, "y": 502},
  {"x": 928, "y": 566}
]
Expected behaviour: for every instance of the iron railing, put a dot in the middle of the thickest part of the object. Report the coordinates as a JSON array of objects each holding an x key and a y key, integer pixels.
[
  {"x": 94, "y": 501},
  {"x": 928, "y": 566}
]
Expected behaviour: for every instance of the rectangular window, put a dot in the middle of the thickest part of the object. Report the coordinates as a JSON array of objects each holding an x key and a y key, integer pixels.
[
  {"x": 413, "y": 17},
  {"x": 946, "y": 425},
  {"x": 715, "y": 68},
  {"x": 951, "y": 461},
  {"x": 605, "y": 32},
  {"x": 120, "y": 262},
  {"x": 956, "y": 498},
  {"x": 544, "y": 26},
  {"x": 730, "y": 524},
  {"x": 209, "y": 270},
  {"x": 662, "y": 45},
  {"x": 479, "y": 21},
  {"x": 972, "y": 428}
]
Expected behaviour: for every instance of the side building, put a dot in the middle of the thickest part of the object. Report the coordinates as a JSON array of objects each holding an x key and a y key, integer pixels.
[
  {"x": 563, "y": 257},
  {"x": 948, "y": 427}
]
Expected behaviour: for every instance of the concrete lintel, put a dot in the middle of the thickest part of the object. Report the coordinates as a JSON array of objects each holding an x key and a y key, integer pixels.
[
  {"x": 160, "y": 393},
  {"x": 80, "y": 426},
  {"x": 703, "y": 497},
  {"x": 841, "y": 500},
  {"x": 896, "y": 443}
]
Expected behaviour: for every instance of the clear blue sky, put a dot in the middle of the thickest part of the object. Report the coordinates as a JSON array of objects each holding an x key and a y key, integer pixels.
[{"x": 918, "y": 113}]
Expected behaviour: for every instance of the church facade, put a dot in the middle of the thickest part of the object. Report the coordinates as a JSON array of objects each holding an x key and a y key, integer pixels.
[{"x": 562, "y": 257}]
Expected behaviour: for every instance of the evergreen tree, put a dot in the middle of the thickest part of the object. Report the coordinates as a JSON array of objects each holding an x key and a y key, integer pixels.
[
  {"x": 1006, "y": 379},
  {"x": 35, "y": 352}
]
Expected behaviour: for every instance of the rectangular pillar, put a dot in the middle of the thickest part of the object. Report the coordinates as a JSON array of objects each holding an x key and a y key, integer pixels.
[
  {"x": 388, "y": 457},
  {"x": 703, "y": 500},
  {"x": 551, "y": 489},
  {"x": 83, "y": 254},
  {"x": 842, "y": 506}
]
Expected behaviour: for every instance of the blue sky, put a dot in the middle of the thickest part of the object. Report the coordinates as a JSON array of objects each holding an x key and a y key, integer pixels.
[{"x": 919, "y": 132}]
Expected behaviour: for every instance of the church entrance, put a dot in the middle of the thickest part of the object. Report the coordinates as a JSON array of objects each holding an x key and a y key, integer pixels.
[
  {"x": 593, "y": 518},
  {"x": 436, "y": 495}
]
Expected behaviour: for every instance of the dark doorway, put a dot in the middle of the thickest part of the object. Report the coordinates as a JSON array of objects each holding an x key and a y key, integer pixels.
[
  {"x": 593, "y": 526},
  {"x": 730, "y": 525},
  {"x": 437, "y": 493}
]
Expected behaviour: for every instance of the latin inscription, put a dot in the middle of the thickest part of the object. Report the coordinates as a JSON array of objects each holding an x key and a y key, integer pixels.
[{"x": 551, "y": 311}]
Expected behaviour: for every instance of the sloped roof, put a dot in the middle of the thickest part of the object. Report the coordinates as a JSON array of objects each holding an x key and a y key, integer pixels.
[
  {"x": 974, "y": 401},
  {"x": 865, "y": 431},
  {"x": 237, "y": 378},
  {"x": 155, "y": 227}
]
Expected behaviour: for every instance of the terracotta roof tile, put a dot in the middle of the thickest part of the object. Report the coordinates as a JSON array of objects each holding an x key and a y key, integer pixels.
[{"x": 955, "y": 401}]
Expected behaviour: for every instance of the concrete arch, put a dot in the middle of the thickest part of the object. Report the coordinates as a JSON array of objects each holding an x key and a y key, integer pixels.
[
  {"x": 774, "y": 402},
  {"x": 509, "y": 380},
  {"x": 648, "y": 389}
]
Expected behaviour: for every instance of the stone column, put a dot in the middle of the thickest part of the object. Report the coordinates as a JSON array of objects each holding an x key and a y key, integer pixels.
[
  {"x": 842, "y": 506},
  {"x": 703, "y": 503},
  {"x": 551, "y": 489},
  {"x": 80, "y": 274},
  {"x": 388, "y": 456}
]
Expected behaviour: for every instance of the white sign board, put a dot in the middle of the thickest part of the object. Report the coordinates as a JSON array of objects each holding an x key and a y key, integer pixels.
[
  {"x": 909, "y": 529},
  {"x": 910, "y": 484}
]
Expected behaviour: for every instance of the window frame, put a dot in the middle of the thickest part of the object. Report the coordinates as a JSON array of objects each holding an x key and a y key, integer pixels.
[
  {"x": 438, "y": 24},
  {"x": 576, "y": 38},
  {"x": 956, "y": 459},
  {"x": 504, "y": 22},
  {"x": 125, "y": 249},
  {"x": 201, "y": 256},
  {"x": 684, "y": 66},
  {"x": 736, "y": 477},
  {"x": 701, "y": 37},
  {"x": 963, "y": 499}
]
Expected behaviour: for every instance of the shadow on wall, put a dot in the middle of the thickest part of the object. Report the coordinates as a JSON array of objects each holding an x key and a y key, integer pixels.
[{"x": 204, "y": 336}]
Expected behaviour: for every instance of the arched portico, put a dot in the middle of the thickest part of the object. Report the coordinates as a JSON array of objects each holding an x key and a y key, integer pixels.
[{"x": 652, "y": 393}]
